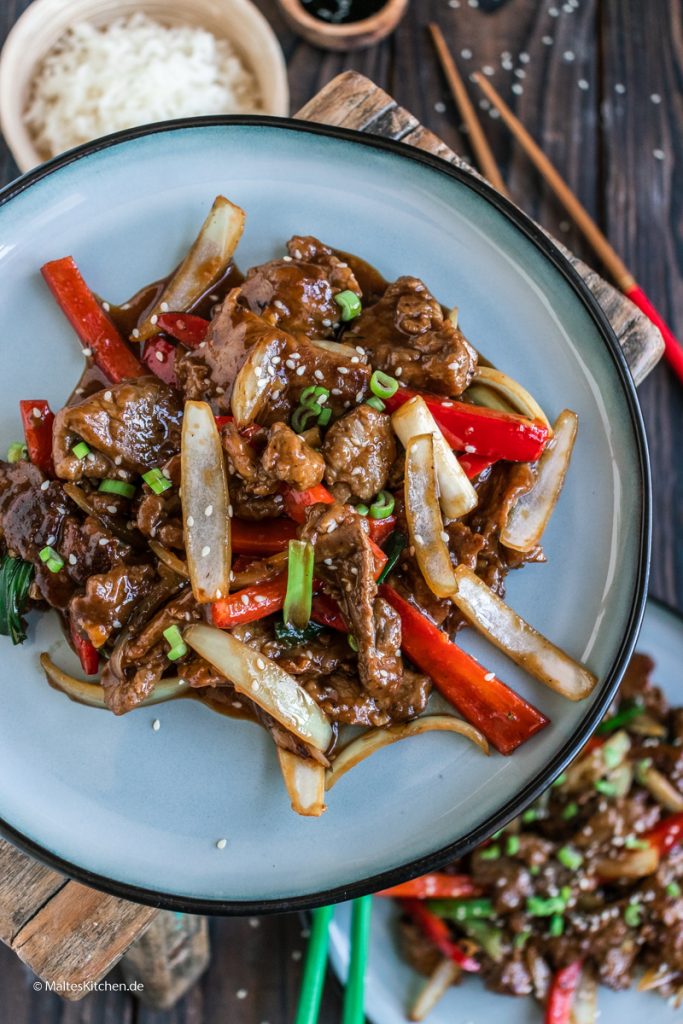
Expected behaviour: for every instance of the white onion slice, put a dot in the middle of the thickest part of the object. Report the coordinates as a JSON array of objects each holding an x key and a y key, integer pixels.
[
  {"x": 204, "y": 264},
  {"x": 92, "y": 694},
  {"x": 516, "y": 397},
  {"x": 633, "y": 864},
  {"x": 374, "y": 739},
  {"x": 205, "y": 502},
  {"x": 338, "y": 348},
  {"x": 444, "y": 975},
  {"x": 456, "y": 494},
  {"x": 530, "y": 515},
  {"x": 423, "y": 515},
  {"x": 305, "y": 782},
  {"x": 254, "y": 384},
  {"x": 521, "y": 642},
  {"x": 662, "y": 790},
  {"x": 169, "y": 558},
  {"x": 263, "y": 681},
  {"x": 585, "y": 1004}
]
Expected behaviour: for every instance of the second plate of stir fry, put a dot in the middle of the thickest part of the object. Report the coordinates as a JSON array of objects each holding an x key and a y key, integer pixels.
[{"x": 283, "y": 493}]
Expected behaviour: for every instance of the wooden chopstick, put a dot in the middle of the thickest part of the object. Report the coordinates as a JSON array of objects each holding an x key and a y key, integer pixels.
[
  {"x": 611, "y": 259},
  {"x": 482, "y": 150}
]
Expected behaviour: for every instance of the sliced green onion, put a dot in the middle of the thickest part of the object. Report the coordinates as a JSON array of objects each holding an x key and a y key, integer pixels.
[
  {"x": 117, "y": 487},
  {"x": 560, "y": 780},
  {"x": 350, "y": 305},
  {"x": 303, "y": 418},
  {"x": 615, "y": 749},
  {"x": 17, "y": 452},
  {"x": 520, "y": 940},
  {"x": 632, "y": 915},
  {"x": 353, "y": 643},
  {"x": 174, "y": 638},
  {"x": 311, "y": 397},
  {"x": 498, "y": 834},
  {"x": 382, "y": 506},
  {"x": 53, "y": 560},
  {"x": 605, "y": 787},
  {"x": 570, "y": 858},
  {"x": 462, "y": 910},
  {"x": 299, "y": 597},
  {"x": 289, "y": 636},
  {"x": 155, "y": 479},
  {"x": 534, "y": 870},
  {"x": 15, "y": 580},
  {"x": 634, "y": 843},
  {"x": 490, "y": 853},
  {"x": 324, "y": 417},
  {"x": 622, "y": 718},
  {"x": 556, "y": 927},
  {"x": 673, "y": 890},
  {"x": 81, "y": 449},
  {"x": 485, "y": 935},
  {"x": 642, "y": 768},
  {"x": 376, "y": 403},
  {"x": 362, "y": 510},
  {"x": 396, "y": 543},
  {"x": 530, "y": 815},
  {"x": 537, "y": 906},
  {"x": 570, "y": 811},
  {"x": 566, "y": 893},
  {"x": 512, "y": 846},
  {"x": 382, "y": 385}
]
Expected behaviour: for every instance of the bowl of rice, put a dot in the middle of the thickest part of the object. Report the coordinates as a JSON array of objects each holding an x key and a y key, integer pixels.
[{"x": 75, "y": 70}]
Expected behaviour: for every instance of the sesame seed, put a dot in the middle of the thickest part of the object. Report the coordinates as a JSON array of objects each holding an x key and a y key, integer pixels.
[
  {"x": 547, "y": 40},
  {"x": 520, "y": 73},
  {"x": 658, "y": 154},
  {"x": 524, "y": 58},
  {"x": 553, "y": 12},
  {"x": 489, "y": 676},
  {"x": 72, "y": 559},
  {"x": 160, "y": 357},
  {"x": 190, "y": 520},
  {"x": 343, "y": 370},
  {"x": 254, "y": 922},
  {"x": 230, "y": 511},
  {"x": 87, "y": 352},
  {"x": 398, "y": 371},
  {"x": 220, "y": 845},
  {"x": 206, "y": 550},
  {"x": 103, "y": 541},
  {"x": 219, "y": 592},
  {"x": 106, "y": 307},
  {"x": 135, "y": 332},
  {"x": 163, "y": 306},
  {"x": 154, "y": 319},
  {"x": 318, "y": 374},
  {"x": 488, "y": 70},
  {"x": 470, "y": 449},
  {"x": 569, "y": 56},
  {"x": 517, "y": 89},
  {"x": 290, "y": 364},
  {"x": 466, "y": 54},
  {"x": 296, "y": 954},
  {"x": 45, "y": 484},
  {"x": 286, "y": 259},
  {"x": 655, "y": 98},
  {"x": 301, "y": 371},
  {"x": 620, "y": 88},
  {"x": 444, "y": 537},
  {"x": 241, "y": 992},
  {"x": 244, "y": 599},
  {"x": 118, "y": 459},
  {"x": 360, "y": 350},
  {"x": 335, "y": 391},
  {"x": 484, "y": 104},
  {"x": 439, "y": 106},
  {"x": 564, "y": 225},
  {"x": 156, "y": 725},
  {"x": 257, "y": 371},
  {"x": 493, "y": 113},
  {"x": 418, "y": 539},
  {"x": 208, "y": 510},
  {"x": 582, "y": 84}
]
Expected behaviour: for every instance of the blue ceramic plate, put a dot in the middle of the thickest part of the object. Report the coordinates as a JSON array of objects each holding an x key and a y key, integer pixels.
[
  {"x": 392, "y": 985},
  {"x": 137, "y": 811}
]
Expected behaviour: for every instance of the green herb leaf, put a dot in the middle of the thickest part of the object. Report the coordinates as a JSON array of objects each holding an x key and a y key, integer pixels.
[{"x": 15, "y": 580}]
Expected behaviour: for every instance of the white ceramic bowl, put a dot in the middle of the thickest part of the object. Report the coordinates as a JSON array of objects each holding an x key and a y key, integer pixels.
[{"x": 46, "y": 21}]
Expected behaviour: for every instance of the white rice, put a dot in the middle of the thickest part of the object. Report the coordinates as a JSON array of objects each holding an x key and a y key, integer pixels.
[{"x": 133, "y": 71}]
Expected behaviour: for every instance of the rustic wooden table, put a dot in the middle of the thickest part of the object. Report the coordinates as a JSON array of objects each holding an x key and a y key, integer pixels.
[{"x": 599, "y": 84}]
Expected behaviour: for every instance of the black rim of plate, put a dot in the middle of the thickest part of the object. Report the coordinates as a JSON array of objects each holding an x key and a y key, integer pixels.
[{"x": 432, "y": 861}]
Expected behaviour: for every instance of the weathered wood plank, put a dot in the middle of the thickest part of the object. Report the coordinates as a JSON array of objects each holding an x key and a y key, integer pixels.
[
  {"x": 25, "y": 886},
  {"x": 640, "y": 340},
  {"x": 168, "y": 958},
  {"x": 78, "y": 936}
]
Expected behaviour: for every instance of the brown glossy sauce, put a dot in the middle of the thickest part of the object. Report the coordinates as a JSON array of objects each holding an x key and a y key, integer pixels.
[
  {"x": 372, "y": 284},
  {"x": 225, "y": 703}
]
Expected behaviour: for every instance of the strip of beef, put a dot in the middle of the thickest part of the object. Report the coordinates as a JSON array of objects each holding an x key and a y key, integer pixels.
[
  {"x": 130, "y": 428},
  {"x": 406, "y": 334},
  {"x": 159, "y": 516},
  {"x": 287, "y": 365},
  {"x": 344, "y": 559},
  {"x": 359, "y": 450},
  {"x": 286, "y": 458},
  {"x": 297, "y": 292},
  {"x": 109, "y": 601},
  {"x": 133, "y": 671}
]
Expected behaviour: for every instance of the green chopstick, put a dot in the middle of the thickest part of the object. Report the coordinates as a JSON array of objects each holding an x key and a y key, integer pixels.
[
  {"x": 314, "y": 967},
  {"x": 354, "y": 996}
]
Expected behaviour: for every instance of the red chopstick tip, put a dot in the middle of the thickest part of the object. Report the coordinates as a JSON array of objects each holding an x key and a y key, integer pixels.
[{"x": 673, "y": 351}]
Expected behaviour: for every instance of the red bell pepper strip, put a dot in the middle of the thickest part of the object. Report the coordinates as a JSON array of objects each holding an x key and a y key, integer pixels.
[
  {"x": 296, "y": 502},
  {"x": 474, "y": 464},
  {"x": 479, "y": 431},
  {"x": 505, "y": 718},
  {"x": 325, "y": 611},
  {"x": 380, "y": 529},
  {"x": 250, "y": 604},
  {"x": 561, "y": 995},
  {"x": 666, "y": 834},
  {"x": 437, "y": 885},
  {"x": 190, "y": 330},
  {"x": 37, "y": 419},
  {"x": 159, "y": 358},
  {"x": 88, "y": 656},
  {"x": 437, "y": 931},
  {"x": 94, "y": 328},
  {"x": 266, "y": 537}
]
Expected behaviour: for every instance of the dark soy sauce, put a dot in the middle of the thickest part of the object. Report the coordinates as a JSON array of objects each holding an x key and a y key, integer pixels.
[{"x": 339, "y": 12}]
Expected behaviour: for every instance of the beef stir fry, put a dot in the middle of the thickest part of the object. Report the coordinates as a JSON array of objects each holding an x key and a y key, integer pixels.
[
  {"x": 283, "y": 494},
  {"x": 583, "y": 889}
]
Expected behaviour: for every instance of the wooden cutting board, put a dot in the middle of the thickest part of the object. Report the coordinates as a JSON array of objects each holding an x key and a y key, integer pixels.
[{"x": 353, "y": 101}]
